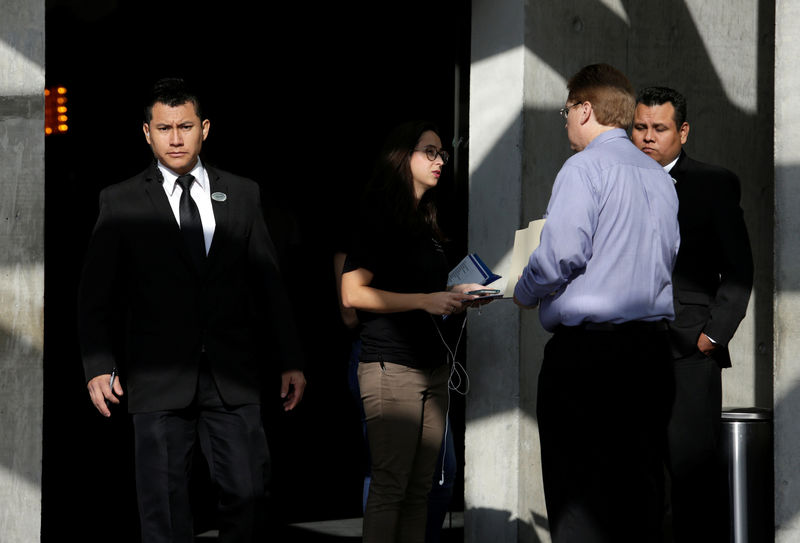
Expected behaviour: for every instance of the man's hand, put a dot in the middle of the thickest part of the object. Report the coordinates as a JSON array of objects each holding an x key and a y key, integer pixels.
[
  {"x": 705, "y": 344},
  {"x": 101, "y": 394},
  {"x": 523, "y": 306},
  {"x": 293, "y": 383}
]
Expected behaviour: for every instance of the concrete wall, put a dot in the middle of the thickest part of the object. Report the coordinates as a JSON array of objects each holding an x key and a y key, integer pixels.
[
  {"x": 719, "y": 53},
  {"x": 787, "y": 278},
  {"x": 21, "y": 267},
  {"x": 501, "y": 455}
]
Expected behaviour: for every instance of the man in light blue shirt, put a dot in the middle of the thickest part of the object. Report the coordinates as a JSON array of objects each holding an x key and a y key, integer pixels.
[{"x": 602, "y": 278}]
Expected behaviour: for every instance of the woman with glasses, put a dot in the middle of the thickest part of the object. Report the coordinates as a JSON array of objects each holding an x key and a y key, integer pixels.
[{"x": 396, "y": 276}]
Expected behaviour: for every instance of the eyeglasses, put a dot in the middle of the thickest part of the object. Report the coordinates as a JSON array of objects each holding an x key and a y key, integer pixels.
[
  {"x": 564, "y": 111},
  {"x": 433, "y": 152}
]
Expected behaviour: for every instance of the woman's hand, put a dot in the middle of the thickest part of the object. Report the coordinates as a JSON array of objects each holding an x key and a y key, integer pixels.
[
  {"x": 357, "y": 293},
  {"x": 469, "y": 287},
  {"x": 445, "y": 303},
  {"x": 465, "y": 287}
]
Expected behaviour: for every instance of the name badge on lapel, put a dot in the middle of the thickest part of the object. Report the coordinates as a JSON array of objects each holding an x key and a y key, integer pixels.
[{"x": 219, "y": 196}]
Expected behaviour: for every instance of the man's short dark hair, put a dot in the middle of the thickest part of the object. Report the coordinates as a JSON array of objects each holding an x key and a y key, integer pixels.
[
  {"x": 609, "y": 92},
  {"x": 172, "y": 92},
  {"x": 657, "y": 96}
]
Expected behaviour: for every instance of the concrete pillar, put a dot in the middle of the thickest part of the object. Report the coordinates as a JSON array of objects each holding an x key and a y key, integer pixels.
[
  {"x": 787, "y": 274},
  {"x": 503, "y": 496},
  {"x": 21, "y": 267}
]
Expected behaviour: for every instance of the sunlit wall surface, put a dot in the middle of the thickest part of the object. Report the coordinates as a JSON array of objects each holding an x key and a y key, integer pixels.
[
  {"x": 787, "y": 274},
  {"x": 21, "y": 267}
]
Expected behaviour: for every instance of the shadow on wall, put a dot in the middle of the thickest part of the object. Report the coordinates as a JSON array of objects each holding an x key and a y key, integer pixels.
[
  {"x": 20, "y": 392},
  {"x": 786, "y": 473},
  {"x": 512, "y": 529},
  {"x": 787, "y": 407}
]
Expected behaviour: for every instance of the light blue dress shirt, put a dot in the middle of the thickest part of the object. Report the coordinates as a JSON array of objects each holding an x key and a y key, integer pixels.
[{"x": 610, "y": 240}]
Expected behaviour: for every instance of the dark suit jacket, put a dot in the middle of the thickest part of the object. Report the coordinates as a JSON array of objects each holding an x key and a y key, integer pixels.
[
  {"x": 713, "y": 274},
  {"x": 137, "y": 260}
]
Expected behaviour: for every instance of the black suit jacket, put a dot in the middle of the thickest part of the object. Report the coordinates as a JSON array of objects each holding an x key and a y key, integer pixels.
[
  {"x": 713, "y": 273},
  {"x": 137, "y": 260}
]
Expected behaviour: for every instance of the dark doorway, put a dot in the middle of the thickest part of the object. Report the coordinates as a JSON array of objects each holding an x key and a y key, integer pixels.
[{"x": 300, "y": 97}]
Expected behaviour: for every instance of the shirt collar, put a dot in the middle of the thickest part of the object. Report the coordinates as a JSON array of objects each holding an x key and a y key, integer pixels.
[
  {"x": 607, "y": 135},
  {"x": 199, "y": 173},
  {"x": 671, "y": 165}
]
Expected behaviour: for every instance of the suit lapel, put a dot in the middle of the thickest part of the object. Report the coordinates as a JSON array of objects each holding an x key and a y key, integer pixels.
[
  {"x": 219, "y": 203},
  {"x": 163, "y": 215},
  {"x": 678, "y": 171}
]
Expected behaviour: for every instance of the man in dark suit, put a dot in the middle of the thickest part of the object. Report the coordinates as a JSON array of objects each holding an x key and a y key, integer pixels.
[
  {"x": 183, "y": 250},
  {"x": 712, "y": 280}
]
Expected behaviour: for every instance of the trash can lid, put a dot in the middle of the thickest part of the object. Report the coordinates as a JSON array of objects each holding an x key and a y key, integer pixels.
[{"x": 746, "y": 413}]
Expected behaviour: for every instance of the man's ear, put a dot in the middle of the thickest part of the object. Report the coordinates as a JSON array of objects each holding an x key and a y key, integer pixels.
[
  {"x": 587, "y": 111},
  {"x": 684, "y": 132},
  {"x": 146, "y": 129}
]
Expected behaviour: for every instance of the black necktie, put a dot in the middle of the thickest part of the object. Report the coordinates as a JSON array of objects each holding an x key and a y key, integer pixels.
[{"x": 191, "y": 225}]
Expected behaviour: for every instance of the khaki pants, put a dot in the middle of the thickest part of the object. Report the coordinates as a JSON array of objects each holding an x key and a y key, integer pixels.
[{"x": 405, "y": 413}]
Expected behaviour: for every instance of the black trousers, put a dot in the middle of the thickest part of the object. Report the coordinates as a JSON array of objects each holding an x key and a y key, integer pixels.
[
  {"x": 603, "y": 404},
  {"x": 698, "y": 481},
  {"x": 233, "y": 442}
]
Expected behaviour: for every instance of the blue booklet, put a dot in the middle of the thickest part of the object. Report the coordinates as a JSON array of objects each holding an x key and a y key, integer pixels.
[{"x": 471, "y": 269}]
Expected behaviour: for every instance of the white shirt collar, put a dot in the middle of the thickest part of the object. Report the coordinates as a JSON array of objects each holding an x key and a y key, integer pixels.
[
  {"x": 671, "y": 165},
  {"x": 199, "y": 173}
]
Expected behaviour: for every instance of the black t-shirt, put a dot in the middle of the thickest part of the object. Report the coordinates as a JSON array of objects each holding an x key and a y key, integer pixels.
[{"x": 403, "y": 260}]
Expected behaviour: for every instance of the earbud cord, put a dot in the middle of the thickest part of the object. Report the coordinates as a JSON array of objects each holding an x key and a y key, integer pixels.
[{"x": 450, "y": 386}]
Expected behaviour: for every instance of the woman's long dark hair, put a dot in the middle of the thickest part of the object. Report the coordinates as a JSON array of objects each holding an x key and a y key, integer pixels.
[{"x": 392, "y": 179}]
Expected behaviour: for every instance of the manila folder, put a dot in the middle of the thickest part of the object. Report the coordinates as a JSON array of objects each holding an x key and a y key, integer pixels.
[{"x": 525, "y": 241}]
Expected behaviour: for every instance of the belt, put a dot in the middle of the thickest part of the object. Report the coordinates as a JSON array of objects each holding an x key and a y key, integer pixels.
[{"x": 629, "y": 326}]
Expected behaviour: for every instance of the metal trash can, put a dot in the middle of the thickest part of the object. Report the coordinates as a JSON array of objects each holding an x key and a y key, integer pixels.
[{"x": 747, "y": 451}]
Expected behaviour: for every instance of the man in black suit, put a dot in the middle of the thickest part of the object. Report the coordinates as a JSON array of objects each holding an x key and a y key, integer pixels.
[
  {"x": 196, "y": 277},
  {"x": 712, "y": 280}
]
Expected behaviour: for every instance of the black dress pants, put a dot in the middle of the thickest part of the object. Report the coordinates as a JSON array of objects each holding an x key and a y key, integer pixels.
[
  {"x": 698, "y": 481},
  {"x": 603, "y": 404},
  {"x": 233, "y": 442}
]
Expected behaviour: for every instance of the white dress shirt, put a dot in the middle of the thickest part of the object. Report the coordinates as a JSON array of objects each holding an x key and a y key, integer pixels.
[{"x": 200, "y": 191}]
